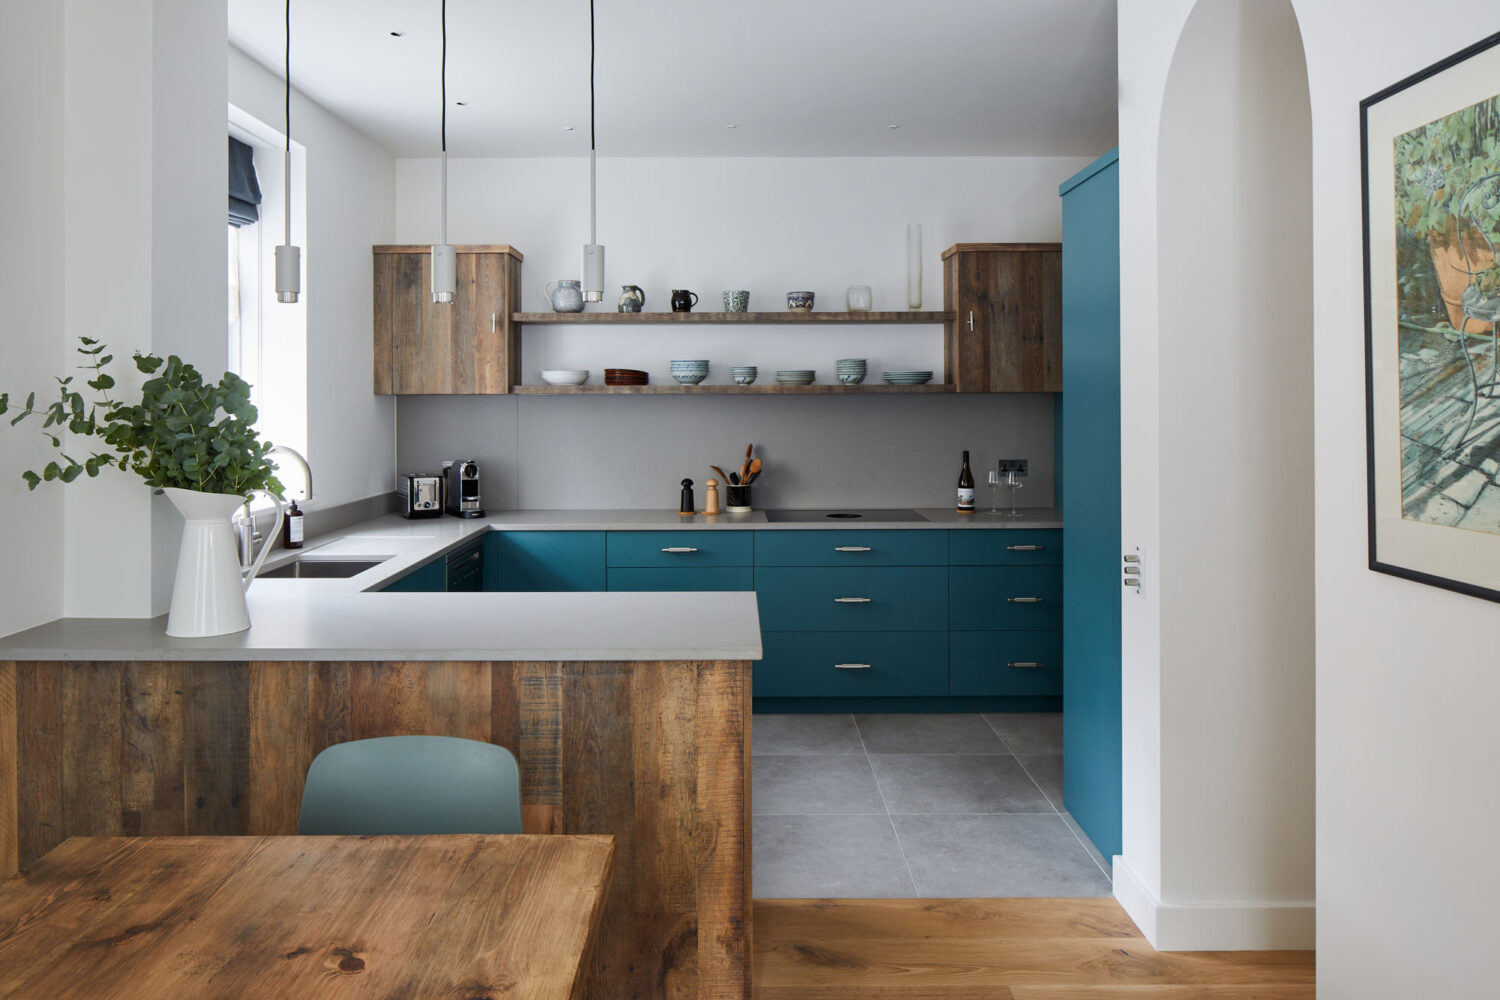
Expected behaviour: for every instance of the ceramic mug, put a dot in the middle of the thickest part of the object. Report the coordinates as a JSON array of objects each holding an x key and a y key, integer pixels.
[
  {"x": 737, "y": 302},
  {"x": 683, "y": 300},
  {"x": 799, "y": 301}
]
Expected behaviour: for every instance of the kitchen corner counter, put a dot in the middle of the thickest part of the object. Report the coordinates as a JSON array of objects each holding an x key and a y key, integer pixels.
[{"x": 666, "y": 520}]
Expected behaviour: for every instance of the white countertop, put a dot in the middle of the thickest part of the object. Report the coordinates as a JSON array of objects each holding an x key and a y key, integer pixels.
[{"x": 349, "y": 619}]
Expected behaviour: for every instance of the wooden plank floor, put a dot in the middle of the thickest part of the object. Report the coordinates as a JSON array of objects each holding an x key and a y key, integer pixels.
[{"x": 996, "y": 949}]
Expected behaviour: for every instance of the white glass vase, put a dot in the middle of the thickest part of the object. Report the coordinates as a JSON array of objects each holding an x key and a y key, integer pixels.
[{"x": 914, "y": 266}]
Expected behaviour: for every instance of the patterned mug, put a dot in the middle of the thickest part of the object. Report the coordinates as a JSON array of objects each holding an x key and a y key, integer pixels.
[{"x": 737, "y": 302}]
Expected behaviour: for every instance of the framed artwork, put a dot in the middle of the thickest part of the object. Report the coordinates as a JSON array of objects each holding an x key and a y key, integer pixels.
[{"x": 1431, "y": 159}]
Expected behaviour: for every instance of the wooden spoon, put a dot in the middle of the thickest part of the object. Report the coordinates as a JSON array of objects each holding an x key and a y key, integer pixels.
[
  {"x": 755, "y": 468},
  {"x": 745, "y": 469},
  {"x": 722, "y": 477}
]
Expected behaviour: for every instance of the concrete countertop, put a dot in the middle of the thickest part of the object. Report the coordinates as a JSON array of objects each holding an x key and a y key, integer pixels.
[{"x": 349, "y": 619}]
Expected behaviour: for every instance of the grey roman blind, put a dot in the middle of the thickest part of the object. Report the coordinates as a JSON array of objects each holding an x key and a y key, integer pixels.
[{"x": 244, "y": 189}]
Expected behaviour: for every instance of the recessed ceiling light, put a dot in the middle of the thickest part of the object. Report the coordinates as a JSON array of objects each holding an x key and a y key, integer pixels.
[
  {"x": 568, "y": 128},
  {"x": 732, "y": 125},
  {"x": 893, "y": 126},
  {"x": 462, "y": 104},
  {"x": 398, "y": 34}
]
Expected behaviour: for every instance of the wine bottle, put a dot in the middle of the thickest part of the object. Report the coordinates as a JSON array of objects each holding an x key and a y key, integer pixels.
[{"x": 965, "y": 488}]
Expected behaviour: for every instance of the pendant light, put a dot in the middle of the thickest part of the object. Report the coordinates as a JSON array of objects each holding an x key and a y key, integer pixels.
[
  {"x": 593, "y": 253},
  {"x": 288, "y": 257},
  {"x": 444, "y": 261}
]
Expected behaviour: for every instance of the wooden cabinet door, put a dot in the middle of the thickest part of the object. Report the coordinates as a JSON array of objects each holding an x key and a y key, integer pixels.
[{"x": 1007, "y": 332}]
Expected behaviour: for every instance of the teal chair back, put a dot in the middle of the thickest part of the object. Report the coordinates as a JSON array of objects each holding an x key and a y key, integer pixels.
[{"x": 411, "y": 785}]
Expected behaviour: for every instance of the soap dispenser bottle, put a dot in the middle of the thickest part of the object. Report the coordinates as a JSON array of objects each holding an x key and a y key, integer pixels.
[{"x": 292, "y": 536}]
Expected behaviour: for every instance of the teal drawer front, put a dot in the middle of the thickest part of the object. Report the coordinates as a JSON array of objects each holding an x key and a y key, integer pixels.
[
  {"x": 1005, "y": 663},
  {"x": 1005, "y": 596},
  {"x": 1007, "y": 547},
  {"x": 429, "y": 578},
  {"x": 680, "y": 548},
  {"x": 856, "y": 600},
  {"x": 544, "y": 560},
  {"x": 851, "y": 547},
  {"x": 691, "y": 578},
  {"x": 834, "y": 664}
]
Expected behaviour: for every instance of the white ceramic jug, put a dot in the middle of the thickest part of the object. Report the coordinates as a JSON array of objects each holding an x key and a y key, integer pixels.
[{"x": 208, "y": 596}]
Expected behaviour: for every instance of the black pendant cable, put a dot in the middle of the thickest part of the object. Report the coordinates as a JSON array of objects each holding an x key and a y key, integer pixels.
[
  {"x": 288, "y": 257},
  {"x": 444, "y": 260},
  {"x": 593, "y": 253}
]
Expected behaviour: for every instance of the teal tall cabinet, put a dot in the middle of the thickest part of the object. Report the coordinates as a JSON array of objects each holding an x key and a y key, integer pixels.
[{"x": 1091, "y": 469}]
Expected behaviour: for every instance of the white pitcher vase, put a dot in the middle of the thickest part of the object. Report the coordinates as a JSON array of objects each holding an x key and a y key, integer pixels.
[{"x": 208, "y": 596}]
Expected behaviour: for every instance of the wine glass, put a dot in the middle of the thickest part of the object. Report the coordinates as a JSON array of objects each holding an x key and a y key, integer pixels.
[
  {"x": 994, "y": 484},
  {"x": 1013, "y": 483}
]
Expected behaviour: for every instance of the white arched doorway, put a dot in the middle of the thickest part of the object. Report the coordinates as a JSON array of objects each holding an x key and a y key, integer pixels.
[{"x": 1218, "y": 675}]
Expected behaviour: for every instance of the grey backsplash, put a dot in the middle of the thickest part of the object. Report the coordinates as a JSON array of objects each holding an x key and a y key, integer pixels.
[{"x": 621, "y": 451}]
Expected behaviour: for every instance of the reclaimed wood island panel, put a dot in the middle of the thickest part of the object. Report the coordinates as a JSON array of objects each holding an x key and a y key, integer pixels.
[{"x": 655, "y": 753}]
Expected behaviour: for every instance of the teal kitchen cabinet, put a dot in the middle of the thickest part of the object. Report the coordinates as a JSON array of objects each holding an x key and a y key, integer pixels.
[
  {"x": 1005, "y": 663},
  {"x": 823, "y": 598},
  {"x": 679, "y": 549},
  {"x": 990, "y": 597},
  {"x": 852, "y": 664},
  {"x": 1018, "y": 547},
  {"x": 684, "y": 578},
  {"x": 851, "y": 547},
  {"x": 544, "y": 560},
  {"x": 429, "y": 578},
  {"x": 1090, "y": 436}
]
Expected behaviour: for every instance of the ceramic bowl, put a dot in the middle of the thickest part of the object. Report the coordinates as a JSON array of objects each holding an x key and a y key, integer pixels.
[
  {"x": 689, "y": 378},
  {"x": 799, "y": 301},
  {"x": 851, "y": 378},
  {"x": 745, "y": 379},
  {"x": 564, "y": 376}
]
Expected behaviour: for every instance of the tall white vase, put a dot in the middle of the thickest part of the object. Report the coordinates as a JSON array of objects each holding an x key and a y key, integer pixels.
[{"x": 208, "y": 596}]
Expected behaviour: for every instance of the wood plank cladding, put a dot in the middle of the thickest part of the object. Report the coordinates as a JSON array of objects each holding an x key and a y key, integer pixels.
[
  {"x": 655, "y": 754},
  {"x": 1006, "y": 331},
  {"x": 468, "y": 347}
]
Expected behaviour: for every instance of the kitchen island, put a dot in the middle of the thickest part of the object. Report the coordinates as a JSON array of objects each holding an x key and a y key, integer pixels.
[{"x": 629, "y": 714}]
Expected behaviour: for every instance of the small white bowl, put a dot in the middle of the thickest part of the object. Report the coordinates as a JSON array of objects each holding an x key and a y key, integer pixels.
[{"x": 564, "y": 376}]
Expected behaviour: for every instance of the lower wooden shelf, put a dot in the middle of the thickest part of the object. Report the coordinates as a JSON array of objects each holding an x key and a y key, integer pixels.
[{"x": 713, "y": 390}]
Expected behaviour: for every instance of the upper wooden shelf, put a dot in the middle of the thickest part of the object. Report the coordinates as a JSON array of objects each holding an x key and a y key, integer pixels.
[{"x": 728, "y": 317}]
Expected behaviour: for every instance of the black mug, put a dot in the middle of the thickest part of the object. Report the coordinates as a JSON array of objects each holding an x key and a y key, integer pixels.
[{"x": 683, "y": 300}]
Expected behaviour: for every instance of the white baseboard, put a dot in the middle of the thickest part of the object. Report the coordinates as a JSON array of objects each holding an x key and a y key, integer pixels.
[{"x": 1236, "y": 926}]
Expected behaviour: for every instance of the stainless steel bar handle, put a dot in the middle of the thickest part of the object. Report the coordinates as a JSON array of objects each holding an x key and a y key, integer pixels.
[
  {"x": 1026, "y": 664},
  {"x": 680, "y": 548},
  {"x": 494, "y": 322},
  {"x": 971, "y": 321},
  {"x": 1025, "y": 600},
  {"x": 851, "y": 600},
  {"x": 851, "y": 666},
  {"x": 1024, "y": 548},
  {"x": 851, "y": 548}
]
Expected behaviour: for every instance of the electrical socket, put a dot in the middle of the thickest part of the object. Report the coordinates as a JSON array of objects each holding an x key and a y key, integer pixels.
[{"x": 1017, "y": 465}]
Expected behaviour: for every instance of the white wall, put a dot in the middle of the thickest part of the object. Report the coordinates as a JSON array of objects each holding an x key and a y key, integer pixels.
[
  {"x": 31, "y": 282},
  {"x": 1218, "y": 852},
  {"x": 766, "y": 224},
  {"x": 1407, "y": 743},
  {"x": 351, "y": 203}
]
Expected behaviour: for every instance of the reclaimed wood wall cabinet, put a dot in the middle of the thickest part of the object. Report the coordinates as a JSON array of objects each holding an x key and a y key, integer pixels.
[
  {"x": 1006, "y": 330},
  {"x": 465, "y": 348}
]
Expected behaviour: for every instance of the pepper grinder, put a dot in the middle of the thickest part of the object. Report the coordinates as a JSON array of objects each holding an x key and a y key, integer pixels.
[
  {"x": 711, "y": 496},
  {"x": 686, "y": 507}
]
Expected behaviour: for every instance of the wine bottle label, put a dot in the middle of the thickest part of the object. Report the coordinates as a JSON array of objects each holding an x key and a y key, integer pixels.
[
  {"x": 966, "y": 498},
  {"x": 294, "y": 525}
]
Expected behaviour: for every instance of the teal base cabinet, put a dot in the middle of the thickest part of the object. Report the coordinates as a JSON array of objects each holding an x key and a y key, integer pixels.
[
  {"x": 882, "y": 599},
  {"x": 852, "y": 664},
  {"x": 544, "y": 560},
  {"x": 687, "y": 578},
  {"x": 1005, "y": 663},
  {"x": 429, "y": 578},
  {"x": 1005, "y": 597},
  {"x": 680, "y": 560}
]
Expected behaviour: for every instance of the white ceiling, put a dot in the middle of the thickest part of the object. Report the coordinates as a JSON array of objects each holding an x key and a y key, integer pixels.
[{"x": 797, "y": 77}]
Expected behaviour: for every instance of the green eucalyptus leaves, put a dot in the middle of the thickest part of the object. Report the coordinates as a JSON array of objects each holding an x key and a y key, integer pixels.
[{"x": 184, "y": 432}]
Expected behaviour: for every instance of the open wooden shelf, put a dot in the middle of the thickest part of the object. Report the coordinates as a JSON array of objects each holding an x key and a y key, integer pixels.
[
  {"x": 772, "y": 388},
  {"x": 627, "y": 319}
]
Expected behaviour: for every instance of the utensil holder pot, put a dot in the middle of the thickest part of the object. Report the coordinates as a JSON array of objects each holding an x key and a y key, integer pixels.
[{"x": 736, "y": 499}]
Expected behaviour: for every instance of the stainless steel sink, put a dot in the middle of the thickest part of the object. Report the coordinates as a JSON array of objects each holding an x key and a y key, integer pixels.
[
  {"x": 322, "y": 569},
  {"x": 846, "y": 516}
]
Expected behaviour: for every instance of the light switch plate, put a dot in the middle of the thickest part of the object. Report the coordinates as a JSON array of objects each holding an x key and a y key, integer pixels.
[{"x": 1018, "y": 465}]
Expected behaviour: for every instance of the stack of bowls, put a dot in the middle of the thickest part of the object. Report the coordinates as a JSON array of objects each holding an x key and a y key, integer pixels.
[
  {"x": 625, "y": 376},
  {"x": 908, "y": 377},
  {"x": 851, "y": 370},
  {"x": 689, "y": 372},
  {"x": 745, "y": 374},
  {"x": 796, "y": 376}
]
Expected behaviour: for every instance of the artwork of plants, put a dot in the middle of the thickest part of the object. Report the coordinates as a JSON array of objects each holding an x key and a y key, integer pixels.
[{"x": 1447, "y": 198}]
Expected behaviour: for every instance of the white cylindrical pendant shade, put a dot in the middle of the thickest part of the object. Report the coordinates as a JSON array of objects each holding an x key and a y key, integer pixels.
[
  {"x": 914, "y": 266},
  {"x": 593, "y": 272},
  {"x": 444, "y": 273},
  {"x": 288, "y": 273}
]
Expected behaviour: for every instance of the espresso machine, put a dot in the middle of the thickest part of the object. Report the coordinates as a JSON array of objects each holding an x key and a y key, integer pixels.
[{"x": 461, "y": 488}]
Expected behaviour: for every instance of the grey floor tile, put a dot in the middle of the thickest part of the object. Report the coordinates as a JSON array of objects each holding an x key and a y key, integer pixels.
[
  {"x": 927, "y": 733},
  {"x": 1028, "y": 732},
  {"x": 1023, "y": 854},
  {"x": 1105, "y": 864},
  {"x": 1046, "y": 769},
  {"x": 811, "y": 734},
  {"x": 829, "y": 856},
  {"x": 805, "y": 785},
  {"x": 956, "y": 783}
]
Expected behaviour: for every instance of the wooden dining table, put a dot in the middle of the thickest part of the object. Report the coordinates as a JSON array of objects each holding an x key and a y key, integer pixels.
[{"x": 283, "y": 918}]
